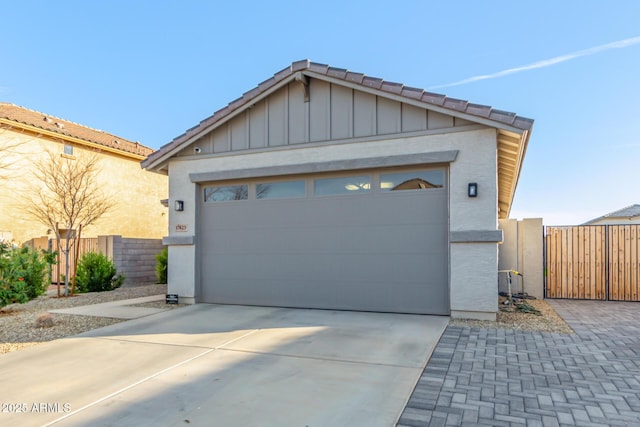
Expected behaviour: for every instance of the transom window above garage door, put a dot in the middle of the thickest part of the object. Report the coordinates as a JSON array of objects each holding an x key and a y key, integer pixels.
[
  {"x": 334, "y": 185},
  {"x": 280, "y": 190},
  {"x": 415, "y": 180},
  {"x": 227, "y": 192},
  {"x": 342, "y": 185}
]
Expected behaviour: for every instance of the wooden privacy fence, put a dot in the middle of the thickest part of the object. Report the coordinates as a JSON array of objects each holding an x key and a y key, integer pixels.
[
  {"x": 83, "y": 246},
  {"x": 133, "y": 257},
  {"x": 600, "y": 262}
]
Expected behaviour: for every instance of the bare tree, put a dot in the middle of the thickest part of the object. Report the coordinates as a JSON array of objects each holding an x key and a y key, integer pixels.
[
  {"x": 66, "y": 196},
  {"x": 8, "y": 147}
]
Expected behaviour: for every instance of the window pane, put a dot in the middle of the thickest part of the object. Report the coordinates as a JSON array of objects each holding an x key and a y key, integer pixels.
[
  {"x": 68, "y": 149},
  {"x": 342, "y": 185},
  {"x": 420, "y": 180},
  {"x": 230, "y": 192},
  {"x": 275, "y": 190}
]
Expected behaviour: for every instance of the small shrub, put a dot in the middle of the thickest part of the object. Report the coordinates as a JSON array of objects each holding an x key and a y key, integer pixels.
[
  {"x": 162, "y": 260},
  {"x": 45, "y": 320},
  {"x": 96, "y": 273},
  {"x": 22, "y": 273}
]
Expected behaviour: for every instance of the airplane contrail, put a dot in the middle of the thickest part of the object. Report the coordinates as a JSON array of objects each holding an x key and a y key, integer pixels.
[{"x": 546, "y": 62}]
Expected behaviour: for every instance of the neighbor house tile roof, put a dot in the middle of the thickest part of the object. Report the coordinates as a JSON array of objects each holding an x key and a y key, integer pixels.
[
  {"x": 481, "y": 111},
  {"x": 23, "y": 116},
  {"x": 628, "y": 212}
]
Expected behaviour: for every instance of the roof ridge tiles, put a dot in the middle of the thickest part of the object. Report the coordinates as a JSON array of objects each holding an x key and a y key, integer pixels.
[
  {"x": 456, "y": 104},
  {"x": 318, "y": 68},
  {"x": 303, "y": 64},
  {"x": 412, "y": 92},
  {"x": 354, "y": 77},
  {"x": 339, "y": 73},
  {"x": 433, "y": 98},
  {"x": 502, "y": 116},
  {"x": 372, "y": 82},
  {"x": 392, "y": 87}
]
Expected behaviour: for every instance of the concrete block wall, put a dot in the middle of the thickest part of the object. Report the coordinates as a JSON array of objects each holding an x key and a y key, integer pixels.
[
  {"x": 522, "y": 250},
  {"x": 135, "y": 258}
]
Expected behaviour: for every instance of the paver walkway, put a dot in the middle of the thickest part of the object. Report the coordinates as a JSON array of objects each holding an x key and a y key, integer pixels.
[{"x": 517, "y": 378}]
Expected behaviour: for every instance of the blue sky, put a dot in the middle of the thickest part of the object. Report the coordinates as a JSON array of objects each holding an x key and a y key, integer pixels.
[{"x": 148, "y": 70}]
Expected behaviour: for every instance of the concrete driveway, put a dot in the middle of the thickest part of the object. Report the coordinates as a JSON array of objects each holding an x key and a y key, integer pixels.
[{"x": 226, "y": 366}]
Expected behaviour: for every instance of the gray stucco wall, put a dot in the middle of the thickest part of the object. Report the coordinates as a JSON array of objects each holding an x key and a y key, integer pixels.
[
  {"x": 523, "y": 250},
  {"x": 473, "y": 265}
]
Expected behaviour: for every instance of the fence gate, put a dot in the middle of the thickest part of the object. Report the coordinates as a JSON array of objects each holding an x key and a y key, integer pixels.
[{"x": 600, "y": 262}]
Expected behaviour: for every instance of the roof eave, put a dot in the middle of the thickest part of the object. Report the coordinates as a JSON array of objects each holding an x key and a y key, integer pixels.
[
  {"x": 423, "y": 104},
  {"x": 70, "y": 138},
  {"x": 505, "y": 203}
]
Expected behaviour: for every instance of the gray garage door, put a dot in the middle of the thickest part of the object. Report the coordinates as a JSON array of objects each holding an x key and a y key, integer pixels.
[{"x": 368, "y": 241}]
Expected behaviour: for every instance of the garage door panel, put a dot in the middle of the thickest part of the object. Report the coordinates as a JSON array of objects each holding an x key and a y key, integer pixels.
[
  {"x": 386, "y": 208},
  {"x": 381, "y": 239},
  {"x": 381, "y": 295},
  {"x": 380, "y": 252},
  {"x": 332, "y": 267}
]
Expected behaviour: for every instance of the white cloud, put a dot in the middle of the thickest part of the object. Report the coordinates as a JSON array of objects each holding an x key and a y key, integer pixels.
[{"x": 546, "y": 62}]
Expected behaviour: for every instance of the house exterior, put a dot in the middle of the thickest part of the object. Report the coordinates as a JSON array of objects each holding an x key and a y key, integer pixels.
[
  {"x": 25, "y": 138},
  {"x": 625, "y": 216},
  {"x": 325, "y": 188}
]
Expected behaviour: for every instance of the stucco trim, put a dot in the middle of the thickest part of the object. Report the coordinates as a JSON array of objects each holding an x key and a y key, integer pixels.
[
  {"x": 330, "y": 166},
  {"x": 480, "y": 236},
  {"x": 178, "y": 240}
]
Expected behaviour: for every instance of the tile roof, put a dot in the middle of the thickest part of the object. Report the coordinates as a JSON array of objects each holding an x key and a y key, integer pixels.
[
  {"x": 484, "y": 112},
  {"x": 24, "y": 116},
  {"x": 513, "y": 130},
  {"x": 628, "y": 212}
]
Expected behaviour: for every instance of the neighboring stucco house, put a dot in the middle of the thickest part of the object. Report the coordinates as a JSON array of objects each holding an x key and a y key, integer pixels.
[
  {"x": 26, "y": 136},
  {"x": 625, "y": 216},
  {"x": 324, "y": 188}
]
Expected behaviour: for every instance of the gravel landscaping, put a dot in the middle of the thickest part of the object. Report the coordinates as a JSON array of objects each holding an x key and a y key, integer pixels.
[
  {"x": 18, "y": 322},
  {"x": 547, "y": 321}
]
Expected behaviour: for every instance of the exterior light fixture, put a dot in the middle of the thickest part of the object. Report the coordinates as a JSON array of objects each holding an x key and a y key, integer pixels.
[
  {"x": 473, "y": 189},
  {"x": 179, "y": 205}
]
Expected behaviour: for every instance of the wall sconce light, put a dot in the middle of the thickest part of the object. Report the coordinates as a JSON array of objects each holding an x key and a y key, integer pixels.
[
  {"x": 473, "y": 189},
  {"x": 178, "y": 205}
]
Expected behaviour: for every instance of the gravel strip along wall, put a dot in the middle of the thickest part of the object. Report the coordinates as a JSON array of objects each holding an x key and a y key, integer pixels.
[{"x": 18, "y": 321}]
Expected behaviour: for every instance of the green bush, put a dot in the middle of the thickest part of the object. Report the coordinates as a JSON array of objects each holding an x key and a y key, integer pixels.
[
  {"x": 96, "y": 273},
  {"x": 162, "y": 260},
  {"x": 23, "y": 273}
]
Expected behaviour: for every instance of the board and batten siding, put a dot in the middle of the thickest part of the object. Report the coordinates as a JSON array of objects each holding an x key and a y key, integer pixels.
[{"x": 332, "y": 112}]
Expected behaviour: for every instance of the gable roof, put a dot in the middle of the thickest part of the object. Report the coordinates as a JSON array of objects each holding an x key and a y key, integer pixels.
[
  {"x": 45, "y": 124},
  {"x": 629, "y": 212},
  {"x": 513, "y": 130}
]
